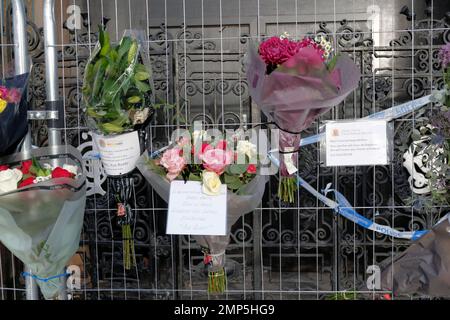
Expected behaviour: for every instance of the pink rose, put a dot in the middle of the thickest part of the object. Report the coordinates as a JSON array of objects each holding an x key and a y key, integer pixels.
[
  {"x": 217, "y": 160},
  {"x": 3, "y": 92},
  {"x": 173, "y": 162}
]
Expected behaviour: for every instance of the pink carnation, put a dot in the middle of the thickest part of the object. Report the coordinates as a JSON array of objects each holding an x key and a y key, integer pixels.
[
  {"x": 173, "y": 162},
  {"x": 275, "y": 51},
  {"x": 217, "y": 160}
]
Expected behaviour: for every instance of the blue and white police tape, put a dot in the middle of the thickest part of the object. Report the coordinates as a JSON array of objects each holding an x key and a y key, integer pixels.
[
  {"x": 388, "y": 115},
  {"x": 343, "y": 207}
]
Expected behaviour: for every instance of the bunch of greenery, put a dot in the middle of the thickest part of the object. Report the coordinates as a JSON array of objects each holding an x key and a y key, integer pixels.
[{"x": 116, "y": 89}]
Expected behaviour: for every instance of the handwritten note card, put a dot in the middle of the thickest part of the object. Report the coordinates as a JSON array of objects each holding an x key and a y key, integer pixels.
[
  {"x": 356, "y": 143},
  {"x": 193, "y": 212}
]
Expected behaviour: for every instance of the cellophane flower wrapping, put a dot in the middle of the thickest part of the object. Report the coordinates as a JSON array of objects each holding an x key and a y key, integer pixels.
[
  {"x": 298, "y": 91},
  {"x": 237, "y": 206},
  {"x": 41, "y": 223},
  {"x": 13, "y": 118},
  {"x": 118, "y": 89}
]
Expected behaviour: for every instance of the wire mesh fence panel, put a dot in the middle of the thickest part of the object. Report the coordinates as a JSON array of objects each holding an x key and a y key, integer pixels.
[{"x": 197, "y": 49}]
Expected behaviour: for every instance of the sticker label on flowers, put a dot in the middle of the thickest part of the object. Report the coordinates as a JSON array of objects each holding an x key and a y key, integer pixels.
[
  {"x": 192, "y": 211},
  {"x": 118, "y": 153},
  {"x": 356, "y": 143}
]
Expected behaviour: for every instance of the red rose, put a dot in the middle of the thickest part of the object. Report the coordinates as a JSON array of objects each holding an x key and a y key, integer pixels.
[
  {"x": 59, "y": 172},
  {"x": 251, "y": 169},
  {"x": 26, "y": 182},
  {"x": 222, "y": 144},
  {"x": 26, "y": 165},
  {"x": 4, "y": 167}
]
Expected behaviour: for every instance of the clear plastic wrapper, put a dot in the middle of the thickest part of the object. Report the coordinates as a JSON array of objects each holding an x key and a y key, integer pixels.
[
  {"x": 118, "y": 86},
  {"x": 13, "y": 112},
  {"x": 237, "y": 206},
  {"x": 41, "y": 223}
]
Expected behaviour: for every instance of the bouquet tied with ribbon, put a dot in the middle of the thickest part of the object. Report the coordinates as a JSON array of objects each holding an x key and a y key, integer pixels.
[
  {"x": 42, "y": 202},
  {"x": 293, "y": 82},
  {"x": 216, "y": 167}
]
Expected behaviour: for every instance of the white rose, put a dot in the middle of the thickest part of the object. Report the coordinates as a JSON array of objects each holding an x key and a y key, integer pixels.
[
  {"x": 211, "y": 183},
  {"x": 247, "y": 148},
  {"x": 72, "y": 169},
  {"x": 199, "y": 135},
  {"x": 9, "y": 179}
]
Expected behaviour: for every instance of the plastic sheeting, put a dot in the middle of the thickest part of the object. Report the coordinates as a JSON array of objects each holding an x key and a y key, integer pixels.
[
  {"x": 41, "y": 223},
  {"x": 13, "y": 120},
  {"x": 423, "y": 268}
]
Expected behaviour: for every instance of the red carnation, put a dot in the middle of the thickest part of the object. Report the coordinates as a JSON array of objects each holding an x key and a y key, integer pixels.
[
  {"x": 26, "y": 165},
  {"x": 275, "y": 51},
  {"x": 26, "y": 182},
  {"x": 59, "y": 172},
  {"x": 4, "y": 167},
  {"x": 251, "y": 169}
]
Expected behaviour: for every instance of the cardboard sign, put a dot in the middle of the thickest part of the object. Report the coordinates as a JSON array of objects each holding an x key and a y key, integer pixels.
[{"x": 193, "y": 212}]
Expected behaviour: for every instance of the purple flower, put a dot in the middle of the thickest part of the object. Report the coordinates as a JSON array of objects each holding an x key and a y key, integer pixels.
[{"x": 444, "y": 55}]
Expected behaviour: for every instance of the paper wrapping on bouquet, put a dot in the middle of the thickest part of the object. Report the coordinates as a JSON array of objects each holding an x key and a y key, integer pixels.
[
  {"x": 237, "y": 206},
  {"x": 423, "y": 268},
  {"x": 298, "y": 91},
  {"x": 13, "y": 119},
  {"x": 41, "y": 223},
  {"x": 118, "y": 153}
]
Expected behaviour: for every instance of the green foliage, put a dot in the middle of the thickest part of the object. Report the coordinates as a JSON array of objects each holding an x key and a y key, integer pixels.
[{"x": 115, "y": 84}]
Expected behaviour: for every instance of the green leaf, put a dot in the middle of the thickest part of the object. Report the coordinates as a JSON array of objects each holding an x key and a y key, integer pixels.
[
  {"x": 124, "y": 47},
  {"x": 237, "y": 169},
  {"x": 193, "y": 177},
  {"x": 104, "y": 42},
  {"x": 132, "y": 52},
  {"x": 111, "y": 127},
  {"x": 99, "y": 69},
  {"x": 333, "y": 62},
  {"x": 134, "y": 99},
  {"x": 141, "y": 76},
  {"x": 232, "y": 181},
  {"x": 142, "y": 86}
]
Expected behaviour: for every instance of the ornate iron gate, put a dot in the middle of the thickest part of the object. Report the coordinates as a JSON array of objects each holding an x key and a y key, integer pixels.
[{"x": 280, "y": 251}]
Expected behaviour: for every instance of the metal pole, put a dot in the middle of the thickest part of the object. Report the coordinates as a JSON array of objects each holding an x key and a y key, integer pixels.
[
  {"x": 51, "y": 86},
  {"x": 51, "y": 74},
  {"x": 22, "y": 65}
]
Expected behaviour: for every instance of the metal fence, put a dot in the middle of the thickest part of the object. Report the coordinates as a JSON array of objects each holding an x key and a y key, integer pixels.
[{"x": 197, "y": 48}]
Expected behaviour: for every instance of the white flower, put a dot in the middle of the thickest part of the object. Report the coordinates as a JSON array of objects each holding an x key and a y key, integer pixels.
[
  {"x": 9, "y": 179},
  {"x": 247, "y": 148},
  {"x": 199, "y": 135},
  {"x": 42, "y": 179},
  {"x": 72, "y": 169},
  {"x": 211, "y": 183}
]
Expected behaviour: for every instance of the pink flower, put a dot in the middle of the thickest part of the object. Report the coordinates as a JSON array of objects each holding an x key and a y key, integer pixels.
[
  {"x": 444, "y": 55},
  {"x": 275, "y": 51},
  {"x": 13, "y": 96},
  {"x": 3, "y": 92},
  {"x": 217, "y": 160},
  {"x": 173, "y": 162}
]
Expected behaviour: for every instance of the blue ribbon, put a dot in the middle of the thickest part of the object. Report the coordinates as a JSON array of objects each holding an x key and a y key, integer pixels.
[{"x": 27, "y": 274}]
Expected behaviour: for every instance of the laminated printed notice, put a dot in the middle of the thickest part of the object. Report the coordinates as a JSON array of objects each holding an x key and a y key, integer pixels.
[{"x": 356, "y": 143}]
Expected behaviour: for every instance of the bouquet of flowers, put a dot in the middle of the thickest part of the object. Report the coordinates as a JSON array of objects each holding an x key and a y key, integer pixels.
[
  {"x": 42, "y": 203},
  {"x": 13, "y": 112},
  {"x": 231, "y": 162},
  {"x": 118, "y": 94},
  {"x": 293, "y": 82}
]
